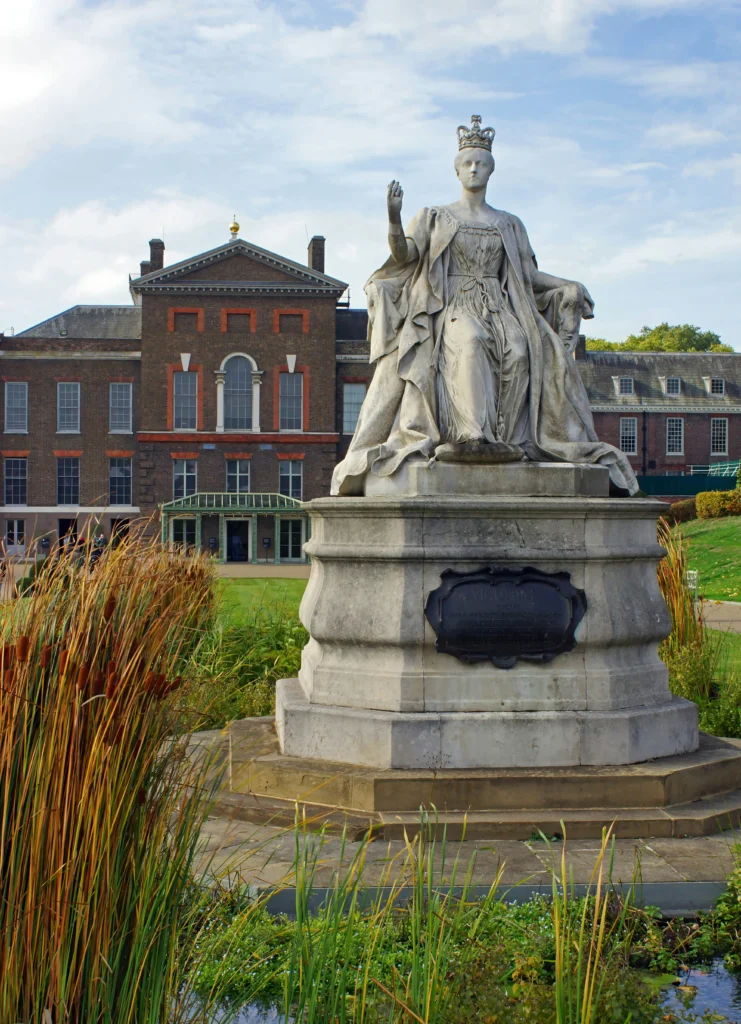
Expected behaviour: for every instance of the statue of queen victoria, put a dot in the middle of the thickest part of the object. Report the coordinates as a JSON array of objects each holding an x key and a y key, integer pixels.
[{"x": 472, "y": 343}]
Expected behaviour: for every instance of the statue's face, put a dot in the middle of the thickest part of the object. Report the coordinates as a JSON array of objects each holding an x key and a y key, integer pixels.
[{"x": 474, "y": 167}]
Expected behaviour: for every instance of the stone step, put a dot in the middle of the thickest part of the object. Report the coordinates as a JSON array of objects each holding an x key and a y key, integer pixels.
[
  {"x": 714, "y": 769},
  {"x": 700, "y": 818}
]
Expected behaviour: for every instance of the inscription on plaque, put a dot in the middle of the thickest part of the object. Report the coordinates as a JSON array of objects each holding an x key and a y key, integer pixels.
[{"x": 500, "y": 615}]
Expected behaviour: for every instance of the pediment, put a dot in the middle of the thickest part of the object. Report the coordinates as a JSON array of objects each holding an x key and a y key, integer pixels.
[{"x": 237, "y": 266}]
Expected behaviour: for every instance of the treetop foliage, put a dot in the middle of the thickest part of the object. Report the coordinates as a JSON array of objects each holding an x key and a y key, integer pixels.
[{"x": 663, "y": 338}]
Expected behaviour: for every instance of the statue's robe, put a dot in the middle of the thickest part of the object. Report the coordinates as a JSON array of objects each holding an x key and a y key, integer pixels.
[{"x": 399, "y": 418}]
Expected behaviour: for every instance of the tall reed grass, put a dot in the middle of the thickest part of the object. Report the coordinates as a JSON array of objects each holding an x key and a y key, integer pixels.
[
  {"x": 99, "y": 810},
  {"x": 697, "y": 659}
]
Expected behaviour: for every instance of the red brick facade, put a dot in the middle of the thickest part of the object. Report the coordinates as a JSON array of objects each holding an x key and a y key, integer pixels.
[{"x": 239, "y": 300}]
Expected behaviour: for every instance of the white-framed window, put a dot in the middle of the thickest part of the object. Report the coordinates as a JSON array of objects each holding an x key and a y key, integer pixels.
[
  {"x": 15, "y": 536},
  {"x": 674, "y": 435},
  {"x": 68, "y": 407},
  {"x": 185, "y": 400},
  {"x": 719, "y": 437},
  {"x": 238, "y": 394},
  {"x": 183, "y": 532},
  {"x": 119, "y": 481},
  {"x": 717, "y": 386},
  {"x": 674, "y": 385},
  {"x": 353, "y": 396},
  {"x": 120, "y": 407},
  {"x": 625, "y": 386},
  {"x": 68, "y": 480},
  {"x": 291, "y": 539},
  {"x": 16, "y": 481},
  {"x": 238, "y": 476},
  {"x": 291, "y": 478},
  {"x": 184, "y": 477},
  {"x": 291, "y": 401},
  {"x": 629, "y": 435},
  {"x": 16, "y": 407}
]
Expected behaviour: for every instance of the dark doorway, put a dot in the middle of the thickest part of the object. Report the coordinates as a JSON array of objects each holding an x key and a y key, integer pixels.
[
  {"x": 237, "y": 540},
  {"x": 67, "y": 532}
]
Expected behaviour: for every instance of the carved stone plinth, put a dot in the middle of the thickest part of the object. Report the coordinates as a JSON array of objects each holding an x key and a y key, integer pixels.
[{"x": 375, "y": 691}]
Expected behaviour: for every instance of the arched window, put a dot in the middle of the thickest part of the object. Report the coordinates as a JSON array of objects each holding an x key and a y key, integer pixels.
[{"x": 238, "y": 394}]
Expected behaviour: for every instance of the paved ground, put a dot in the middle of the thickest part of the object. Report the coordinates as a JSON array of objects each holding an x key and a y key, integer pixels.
[
  {"x": 724, "y": 615},
  {"x": 264, "y": 856},
  {"x": 264, "y": 570}
]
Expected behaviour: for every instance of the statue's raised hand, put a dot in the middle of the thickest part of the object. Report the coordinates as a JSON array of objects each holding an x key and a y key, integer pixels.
[{"x": 394, "y": 198}]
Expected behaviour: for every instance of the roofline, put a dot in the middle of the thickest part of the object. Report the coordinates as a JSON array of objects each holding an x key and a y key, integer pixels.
[
  {"x": 237, "y": 243},
  {"x": 78, "y": 305},
  {"x": 642, "y": 354}
]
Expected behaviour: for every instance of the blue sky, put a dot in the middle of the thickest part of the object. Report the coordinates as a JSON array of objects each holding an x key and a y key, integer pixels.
[{"x": 618, "y": 139}]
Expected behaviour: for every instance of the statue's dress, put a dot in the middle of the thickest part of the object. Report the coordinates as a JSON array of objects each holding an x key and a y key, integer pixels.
[
  {"x": 483, "y": 364},
  {"x": 465, "y": 349}
]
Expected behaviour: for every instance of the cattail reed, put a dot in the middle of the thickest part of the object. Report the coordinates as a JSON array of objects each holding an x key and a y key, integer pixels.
[{"x": 91, "y": 889}]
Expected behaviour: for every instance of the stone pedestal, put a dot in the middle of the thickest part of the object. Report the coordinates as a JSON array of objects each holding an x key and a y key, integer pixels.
[{"x": 374, "y": 691}]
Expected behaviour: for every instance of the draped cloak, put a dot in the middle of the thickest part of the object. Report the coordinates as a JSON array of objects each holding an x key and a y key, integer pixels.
[{"x": 406, "y": 303}]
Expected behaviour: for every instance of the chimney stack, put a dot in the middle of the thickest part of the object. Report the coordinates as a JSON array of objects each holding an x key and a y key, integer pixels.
[
  {"x": 316, "y": 253},
  {"x": 156, "y": 254},
  {"x": 580, "y": 352},
  {"x": 145, "y": 267}
]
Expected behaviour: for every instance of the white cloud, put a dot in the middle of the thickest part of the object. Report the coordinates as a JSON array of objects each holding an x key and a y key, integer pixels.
[
  {"x": 671, "y": 243},
  {"x": 298, "y": 115},
  {"x": 675, "y": 134},
  {"x": 710, "y": 168}
]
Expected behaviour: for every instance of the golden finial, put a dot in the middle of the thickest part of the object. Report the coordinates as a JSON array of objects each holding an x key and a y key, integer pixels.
[{"x": 234, "y": 227}]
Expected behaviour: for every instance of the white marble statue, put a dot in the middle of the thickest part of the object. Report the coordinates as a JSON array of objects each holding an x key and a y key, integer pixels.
[{"x": 472, "y": 343}]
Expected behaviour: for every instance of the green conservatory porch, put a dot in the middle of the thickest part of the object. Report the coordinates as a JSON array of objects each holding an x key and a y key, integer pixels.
[{"x": 238, "y": 527}]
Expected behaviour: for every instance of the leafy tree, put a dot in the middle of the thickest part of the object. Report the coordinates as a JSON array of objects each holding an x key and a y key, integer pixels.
[{"x": 663, "y": 338}]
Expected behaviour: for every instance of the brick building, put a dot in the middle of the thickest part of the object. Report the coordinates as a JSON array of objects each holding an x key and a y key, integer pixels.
[
  {"x": 677, "y": 415},
  {"x": 212, "y": 397},
  {"x": 226, "y": 392}
]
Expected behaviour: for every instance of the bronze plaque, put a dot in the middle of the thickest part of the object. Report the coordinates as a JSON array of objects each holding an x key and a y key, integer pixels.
[{"x": 500, "y": 615}]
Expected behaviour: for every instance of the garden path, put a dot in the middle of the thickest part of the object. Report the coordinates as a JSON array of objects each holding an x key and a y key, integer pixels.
[{"x": 263, "y": 855}]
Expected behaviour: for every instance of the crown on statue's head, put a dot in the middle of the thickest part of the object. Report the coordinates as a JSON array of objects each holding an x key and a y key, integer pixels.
[{"x": 475, "y": 136}]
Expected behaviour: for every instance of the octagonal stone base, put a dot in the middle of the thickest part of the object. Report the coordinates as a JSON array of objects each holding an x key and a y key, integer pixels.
[
  {"x": 375, "y": 691},
  {"x": 484, "y": 739}
]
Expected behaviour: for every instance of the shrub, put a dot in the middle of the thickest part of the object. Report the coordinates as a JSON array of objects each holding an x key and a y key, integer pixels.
[
  {"x": 716, "y": 504},
  {"x": 681, "y": 511},
  {"x": 233, "y": 670}
]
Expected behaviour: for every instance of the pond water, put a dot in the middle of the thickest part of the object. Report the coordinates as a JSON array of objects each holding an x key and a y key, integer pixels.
[
  {"x": 705, "y": 994},
  {"x": 710, "y": 990}
]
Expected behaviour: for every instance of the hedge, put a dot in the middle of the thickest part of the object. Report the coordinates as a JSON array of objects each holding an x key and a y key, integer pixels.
[
  {"x": 715, "y": 504},
  {"x": 681, "y": 511}
]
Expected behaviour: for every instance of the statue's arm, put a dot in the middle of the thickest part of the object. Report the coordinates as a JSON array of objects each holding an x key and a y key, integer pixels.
[
  {"x": 403, "y": 249},
  {"x": 543, "y": 282}
]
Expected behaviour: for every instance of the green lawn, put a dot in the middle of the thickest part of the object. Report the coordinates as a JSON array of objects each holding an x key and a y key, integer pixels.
[
  {"x": 730, "y": 659},
  {"x": 243, "y": 596},
  {"x": 715, "y": 551}
]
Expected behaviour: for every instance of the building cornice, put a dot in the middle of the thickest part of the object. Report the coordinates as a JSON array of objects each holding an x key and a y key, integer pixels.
[
  {"x": 243, "y": 437},
  {"x": 241, "y": 288},
  {"x": 65, "y": 510},
  {"x": 34, "y": 354},
  {"x": 670, "y": 409}
]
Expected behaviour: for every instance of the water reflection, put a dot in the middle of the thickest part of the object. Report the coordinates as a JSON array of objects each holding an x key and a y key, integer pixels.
[{"x": 711, "y": 990}]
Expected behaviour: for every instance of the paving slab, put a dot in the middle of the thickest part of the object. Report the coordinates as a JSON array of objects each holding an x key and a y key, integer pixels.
[{"x": 264, "y": 855}]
